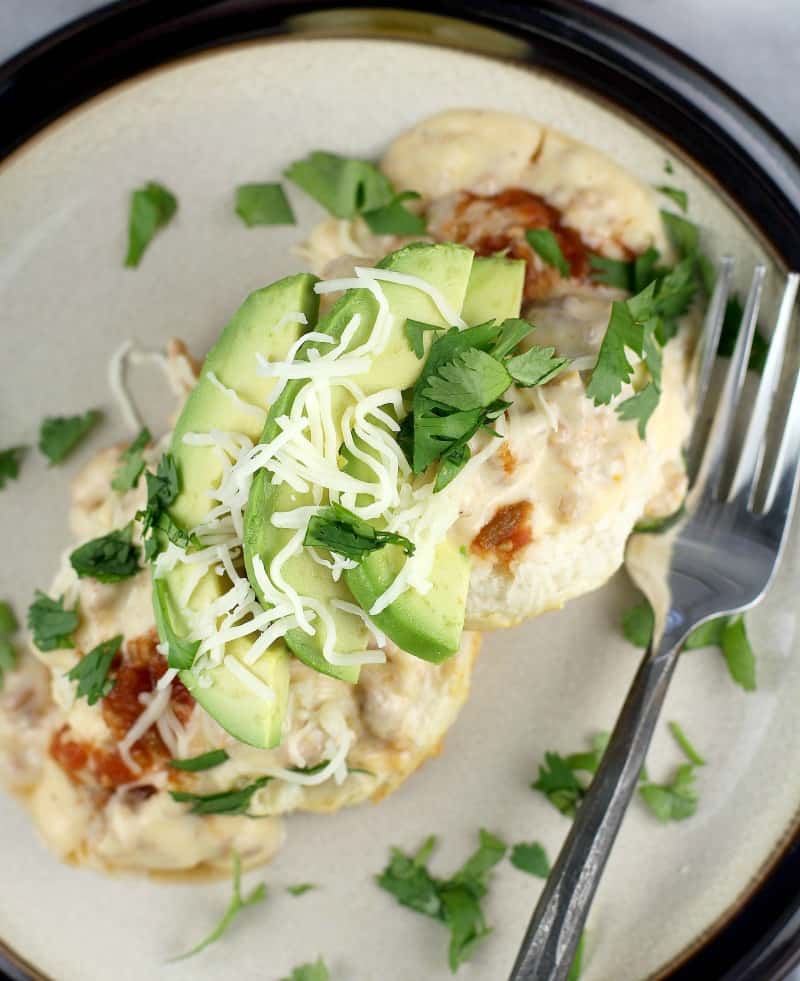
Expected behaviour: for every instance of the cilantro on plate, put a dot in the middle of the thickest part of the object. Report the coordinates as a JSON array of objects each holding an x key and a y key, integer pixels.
[
  {"x": 545, "y": 245},
  {"x": 152, "y": 207},
  {"x": 315, "y": 971},
  {"x": 51, "y": 624},
  {"x": 10, "y": 461},
  {"x": 455, "y": 902},
  {"x": 59, "y": 435},
  {"x": 110, "y": 558},
  {"x": 162, "y": 489},
  {"x": 346, "y": 187},
  {"x": 226, "y": 802},
  {"x": 235, "y": 906},
  {"x": 300, "y": 889},
  {"x": 681, "y": 198},
  {"x": 460, "y": 389},
  {"x": 263, "y": 204},
  {"x": 8, "y": 628},
  {"x": 127, "y": 475},
  {"x": 729, "y": 634},
  {"x": 205, "y": 761},
  {"x": 531, "y": 858},
  {"x": 339, "y": 530},
  {"x": 91, "y": 672}
]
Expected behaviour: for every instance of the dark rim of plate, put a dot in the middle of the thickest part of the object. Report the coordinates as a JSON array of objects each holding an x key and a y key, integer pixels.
[{"x": 696, "y": 114}]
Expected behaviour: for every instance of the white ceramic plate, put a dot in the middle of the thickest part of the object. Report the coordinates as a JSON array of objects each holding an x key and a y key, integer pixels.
[{"x": 202, "y": 126}]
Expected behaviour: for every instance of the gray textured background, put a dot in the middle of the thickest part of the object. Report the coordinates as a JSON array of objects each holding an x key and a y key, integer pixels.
[{"x": 754, "y": 46}]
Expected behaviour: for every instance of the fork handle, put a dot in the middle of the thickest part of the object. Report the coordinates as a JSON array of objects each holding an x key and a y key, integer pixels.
[{"x": 552, "y": 937}]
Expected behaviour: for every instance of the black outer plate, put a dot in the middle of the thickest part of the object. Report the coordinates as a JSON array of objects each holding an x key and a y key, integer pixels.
[{"x": 702, "y": 116}]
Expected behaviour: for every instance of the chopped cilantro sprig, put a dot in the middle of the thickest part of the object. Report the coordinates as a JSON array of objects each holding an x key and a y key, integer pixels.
[
  {"x": 235, "y": 906},
  {"x": 461, "y": 387},
  {"x": 152, "y": 208},
  {"x": 455, "y": 902},
  {"x": 346, "y": 187},
  {"x": 10, "y": 462},
  {"x": 339, "y": 530},
  {"x": 110, "y": 558},
  {"x": 126, "y": 477},
  {"x": 91, "y": 672},
  {"x": 8, "y": 628},
  {"x": 51, "y": 624},
  {"x": 162, "y": 490},
  {"x": 59, "y": 435}
]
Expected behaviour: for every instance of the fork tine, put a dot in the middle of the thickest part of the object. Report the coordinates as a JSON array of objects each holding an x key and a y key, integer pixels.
[
  {"x": 706, "y": 356},
  {"x": 713, "y": 461},
  {"x": 745, "y": 477},
  {"x": 782, "y": 490},
  {"x": 712, "y": 328}
]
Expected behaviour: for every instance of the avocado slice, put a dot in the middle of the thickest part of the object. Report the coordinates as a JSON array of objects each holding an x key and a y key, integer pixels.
[
  {"x": 494, "y": 291},
  {"x": 446, "y": 267},
  {"x": 263, "y": 324}
]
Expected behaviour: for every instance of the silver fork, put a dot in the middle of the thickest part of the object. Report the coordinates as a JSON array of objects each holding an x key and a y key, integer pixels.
[{"x": 719, "y": 560}]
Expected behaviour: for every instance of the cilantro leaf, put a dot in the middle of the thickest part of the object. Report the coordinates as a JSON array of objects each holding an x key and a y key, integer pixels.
[
  {"x": 235, "y": 906},
  {"x": 343, "y": 532},
  {"x": 708, "y": 634},
  {"x": 51, "y": 624},
  {"x": 152, "y": 207},
  {"x": 415, "y": 331},
  {"x": 8, "y": 620},
  {"x": 10, "y": 461},
  {"x": 110, "y": 558},
  {"x": 559, "y": 784},
  {"x": 162, "y": 489},
  {"x": 536, "y": 366},
  {"x": 310, "y": 972},
  {"x": 674, "y": 801},
  {"x": 59, "y": 435},
  {"x": 205, "y": 761},
  {"x": 8, "y": 627},
  {"x": 682, "y": 740},
  {"x": 612, "y": 272},
  {"x": 640, "y": 407},
  {"x": 407, "y": 878},
  {"x": 343, "y": 186},
  {"x": 300, "y": 889},
  {"x": 545, "y": 245},
  {"x": 451, "y": 464},
  {"x": 456, "y": 902},
  {"x": 681, "y": 198},
  {"x": 613, "y": 368},
  {"x": 531, "y": 858},
  {"x": 739, "y": 654},
  {"x": 91, "y": 672},
  {"x": 668, "y": 168},
  {"x": 8, "y": 658},
  {"x": 638, "y": 623},
  {"x": 472, "y": 380},
  {"x": 127, "y": 475},
  {"x": 394, "y": 219},
  {"x": 684, "y": 234},
  {"x": 263, "y": 204},
  {"x": 508, "y": 336},
  {"x": 225, "y": 802},
  {"x": 577, "y": 961}
]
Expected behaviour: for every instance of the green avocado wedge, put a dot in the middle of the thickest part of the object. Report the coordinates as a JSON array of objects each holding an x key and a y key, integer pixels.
[
  {"x": 228, "y": 387},
  {"x": 494, "y": 291},
  {"x": 429, "y": 626}
]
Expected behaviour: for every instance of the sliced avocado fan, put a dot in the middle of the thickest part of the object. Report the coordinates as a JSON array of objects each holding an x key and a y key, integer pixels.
[{"x": 265, "y": 324}]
